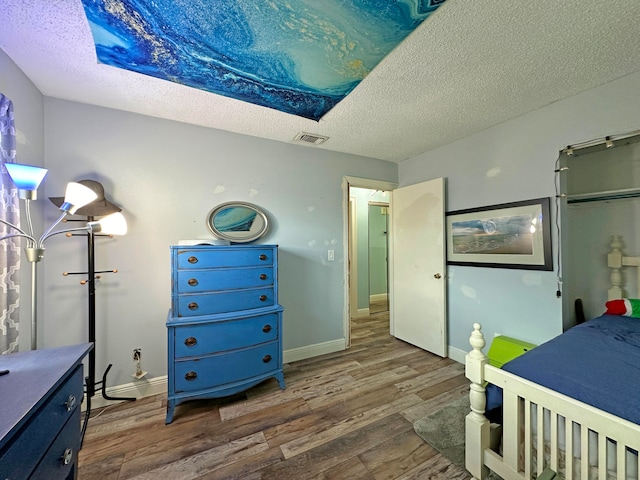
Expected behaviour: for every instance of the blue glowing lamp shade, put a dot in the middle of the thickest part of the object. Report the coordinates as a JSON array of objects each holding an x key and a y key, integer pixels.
[{"x": 27, "y": 178}]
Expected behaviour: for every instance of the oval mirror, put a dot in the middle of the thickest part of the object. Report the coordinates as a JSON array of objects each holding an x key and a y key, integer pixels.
[{"x": 237, "y": 222}]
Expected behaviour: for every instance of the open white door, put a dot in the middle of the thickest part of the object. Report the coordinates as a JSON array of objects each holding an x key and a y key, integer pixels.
[{"x": 418, "y": 266}]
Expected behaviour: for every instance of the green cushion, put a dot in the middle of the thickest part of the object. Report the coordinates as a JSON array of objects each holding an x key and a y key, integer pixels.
[{"x": 504, "y": 349}]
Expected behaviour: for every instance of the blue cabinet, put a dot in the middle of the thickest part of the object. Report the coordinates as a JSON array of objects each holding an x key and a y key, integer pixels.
[
  {"x": 40, "y": 431},
  {"x": 225, "y": 324}
]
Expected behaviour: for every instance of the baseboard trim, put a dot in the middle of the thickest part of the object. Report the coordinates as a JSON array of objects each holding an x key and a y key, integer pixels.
[
  {"x": 316, "y": 350},
  {"x": 457, "y": 354},
  {"x": 378, "y": 297},
  {"x": 138, "y": 389},
  {"x": 361, "y": 313}
]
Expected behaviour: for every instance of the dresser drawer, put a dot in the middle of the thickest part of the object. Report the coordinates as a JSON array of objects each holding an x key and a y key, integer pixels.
[
  {"x": 223, "y": 257},
  {"x": 216, "y": 370},
  {"x": 62, "y": 455},
  {"x": 222, "y": 302},
  {"x": 195, "y": 340},
  {"x": 57, "y": 411},
  {"x": 197, "y": 281}
]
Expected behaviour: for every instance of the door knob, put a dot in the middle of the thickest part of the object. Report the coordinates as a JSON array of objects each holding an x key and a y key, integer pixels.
[{"x": 437, "y": 275}]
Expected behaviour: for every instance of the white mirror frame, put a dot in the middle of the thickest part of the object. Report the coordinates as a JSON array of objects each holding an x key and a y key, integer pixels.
[{"x": 256, "y": 220}]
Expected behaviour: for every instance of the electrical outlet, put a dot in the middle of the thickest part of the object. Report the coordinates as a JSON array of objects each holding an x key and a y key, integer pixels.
[
  {"x": 330, "y": 255},
  {"x": 137, "y": 358}
]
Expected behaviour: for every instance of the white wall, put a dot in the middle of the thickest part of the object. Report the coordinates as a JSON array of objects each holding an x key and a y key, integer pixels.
[
  {"x": 510, "y": 162},
  {"x": 28, "y": 107},
  {"x": 167, "y": 176}
]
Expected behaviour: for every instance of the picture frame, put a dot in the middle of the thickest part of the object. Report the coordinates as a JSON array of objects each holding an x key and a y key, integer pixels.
[
  {"x": 509, "y": 235},
  {"x": 237, "y": 222}
]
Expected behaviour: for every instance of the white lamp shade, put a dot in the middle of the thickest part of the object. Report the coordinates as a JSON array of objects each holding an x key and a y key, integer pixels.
[
  {"x": 76, "y": 196},
  {"x": 114, "y": 224},
  {"x": 26, "y": 177}
]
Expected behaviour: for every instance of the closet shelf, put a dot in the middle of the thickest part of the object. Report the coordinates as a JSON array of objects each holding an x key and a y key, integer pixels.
[{"x": 604, "y": 195}]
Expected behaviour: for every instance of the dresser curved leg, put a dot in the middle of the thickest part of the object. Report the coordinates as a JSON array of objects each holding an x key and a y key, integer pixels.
[
  {"x": 280, "y": 378},
  {"x": 171, "y": 406}
]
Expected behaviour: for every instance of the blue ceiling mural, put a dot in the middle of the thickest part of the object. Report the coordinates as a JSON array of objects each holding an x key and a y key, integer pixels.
[{"x": 297, "y": 56}]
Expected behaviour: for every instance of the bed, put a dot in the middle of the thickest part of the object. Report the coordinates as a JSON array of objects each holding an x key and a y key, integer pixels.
[{"x": 571, "y": 405}]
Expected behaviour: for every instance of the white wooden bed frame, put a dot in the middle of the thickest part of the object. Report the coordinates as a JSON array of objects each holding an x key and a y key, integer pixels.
[{"x": 523, "y": 447}]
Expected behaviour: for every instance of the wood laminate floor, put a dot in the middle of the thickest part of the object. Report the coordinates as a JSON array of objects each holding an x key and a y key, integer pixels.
[{"x": 347, "y": 415}]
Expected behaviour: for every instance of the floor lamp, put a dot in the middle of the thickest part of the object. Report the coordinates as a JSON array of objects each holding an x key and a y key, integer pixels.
[{"x": 27, "y": 179}]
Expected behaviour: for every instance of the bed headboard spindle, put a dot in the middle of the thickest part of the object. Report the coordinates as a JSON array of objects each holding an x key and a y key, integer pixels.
[{"x": 616, "y": 260}]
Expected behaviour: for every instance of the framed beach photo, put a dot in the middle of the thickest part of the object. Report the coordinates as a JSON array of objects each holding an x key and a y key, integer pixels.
[
  {"x": 509, "y": 235},
  {"x": 237, "y": 222}
]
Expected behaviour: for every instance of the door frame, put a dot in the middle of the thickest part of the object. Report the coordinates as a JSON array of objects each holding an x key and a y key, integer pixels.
[{"x": 358, "y": 182}]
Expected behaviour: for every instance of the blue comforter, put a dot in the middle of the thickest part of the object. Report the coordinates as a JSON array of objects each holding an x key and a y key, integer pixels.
[{"x": 596, "y": 362}]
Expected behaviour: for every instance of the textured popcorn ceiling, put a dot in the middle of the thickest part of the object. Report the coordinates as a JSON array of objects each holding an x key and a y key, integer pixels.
[{"x": 471, "y": 65}]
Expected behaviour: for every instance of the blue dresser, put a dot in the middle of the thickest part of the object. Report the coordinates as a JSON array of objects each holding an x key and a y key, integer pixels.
[
  {"x": 225, "y": 323},
  {"x": 40, "y": 431}
]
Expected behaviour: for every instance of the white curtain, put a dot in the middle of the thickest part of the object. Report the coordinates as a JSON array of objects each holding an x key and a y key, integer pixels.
[{"x": 9, "y": 248}]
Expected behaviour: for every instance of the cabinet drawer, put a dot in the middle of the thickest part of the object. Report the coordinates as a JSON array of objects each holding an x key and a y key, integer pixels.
[
  {"x": 223, "y": 257},
  {"x": 196, "y": 281},
  {"x": 62, "y": 455},
  {"x": 217, "y": 370},
  {"x": 222, "y": 302},
  {"x": 194, "y": 340},
  {"x": 53, "y": 416}
]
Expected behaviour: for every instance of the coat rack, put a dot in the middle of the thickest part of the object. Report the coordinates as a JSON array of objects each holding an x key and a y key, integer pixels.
[
  {"x": 92, "y": 275},
  {"x": 98, "y": 207}
]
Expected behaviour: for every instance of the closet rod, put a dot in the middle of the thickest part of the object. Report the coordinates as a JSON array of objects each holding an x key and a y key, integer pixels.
[
  {"x": 604, "y": 195},
  {"x": 606, "y": 142}
]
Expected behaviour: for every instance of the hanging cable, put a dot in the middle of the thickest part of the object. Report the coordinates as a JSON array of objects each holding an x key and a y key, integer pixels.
[{"x": 559, "y": 197}]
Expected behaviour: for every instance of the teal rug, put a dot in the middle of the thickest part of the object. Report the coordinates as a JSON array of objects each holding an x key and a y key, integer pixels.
[{"x": 444, "y": 431}]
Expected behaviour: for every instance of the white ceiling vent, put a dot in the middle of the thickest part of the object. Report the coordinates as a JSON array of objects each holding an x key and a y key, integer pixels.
[{"x": 311, "y": 138}]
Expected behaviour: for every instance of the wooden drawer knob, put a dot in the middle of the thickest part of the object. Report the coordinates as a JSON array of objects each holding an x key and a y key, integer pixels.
[
  {"x": 263, "y": 276},
  {"x": 193, "y": 306},
  {"x": 70, "y": 403},
  {"x": 266, "y": 328},
  {"x": 262, "y": 256},
  {"x": 193, "y": 282},
  {"x": 190, "y": 342},
  {"x": 263, "y": 298},
  {"x": 190, "y": 376},
  {"x": 266, "y": 358},
  {"x": 192, "y": 260}
]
